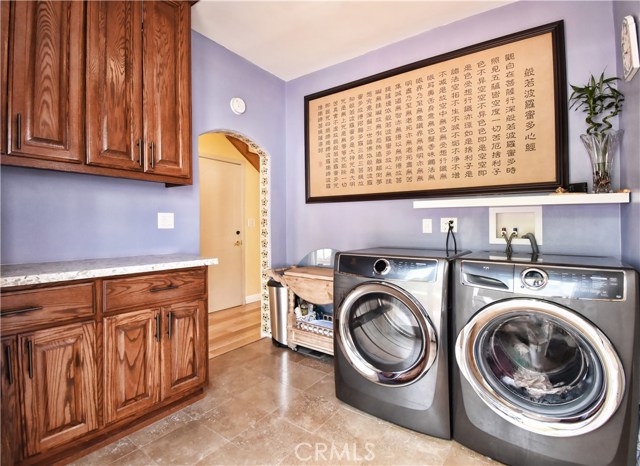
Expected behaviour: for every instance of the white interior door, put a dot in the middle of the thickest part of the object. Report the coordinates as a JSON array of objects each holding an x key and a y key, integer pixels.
[{"x": 221, "y": 234}]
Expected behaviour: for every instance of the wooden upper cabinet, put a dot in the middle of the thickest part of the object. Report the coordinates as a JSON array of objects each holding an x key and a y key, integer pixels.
[
  {"x": 4, "y": 73},
  {"x": 114, "y": 84},
  {"x": 167, "y": 87},
  {"x": 116, "y": 102},
  {"x": 46, "y": 81}
]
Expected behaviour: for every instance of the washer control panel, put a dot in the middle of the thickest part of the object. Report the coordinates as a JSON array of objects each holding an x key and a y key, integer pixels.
[
  {"x": 534, "y": 279},
  {"x": 574, "y": 283},
  {"x": 389, "y": 268},
  {"x": 546, "y": 281}
]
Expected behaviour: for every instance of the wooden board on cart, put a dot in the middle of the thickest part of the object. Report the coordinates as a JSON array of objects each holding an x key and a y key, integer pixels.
[{"x": 314, "y": 285}]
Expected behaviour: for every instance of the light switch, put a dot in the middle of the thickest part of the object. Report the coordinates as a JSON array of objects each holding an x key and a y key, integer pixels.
[
  {"x": 427, "y": 225},
  {"x": 165, "y": 221}
]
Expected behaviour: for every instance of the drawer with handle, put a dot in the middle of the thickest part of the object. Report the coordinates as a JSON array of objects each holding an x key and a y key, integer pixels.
[
  {"x": 152, "y": 288},
  {"x": 44, "y": 306}
]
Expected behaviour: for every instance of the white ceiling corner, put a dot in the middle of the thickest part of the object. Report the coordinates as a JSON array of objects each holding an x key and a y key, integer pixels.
[{"x": 293, "y": 38}]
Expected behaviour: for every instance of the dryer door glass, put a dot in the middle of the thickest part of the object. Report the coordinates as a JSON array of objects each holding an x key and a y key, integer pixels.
[
  {"x": 385, "y": 334},
  {"x": 541, "y": 366}
]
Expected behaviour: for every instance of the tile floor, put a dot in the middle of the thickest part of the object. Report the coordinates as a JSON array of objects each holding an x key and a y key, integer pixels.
[{"x": 272, "y": 406}]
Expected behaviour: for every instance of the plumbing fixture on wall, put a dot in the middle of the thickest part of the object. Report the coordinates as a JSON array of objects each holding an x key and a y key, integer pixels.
[{"x": 514, "y": 222}]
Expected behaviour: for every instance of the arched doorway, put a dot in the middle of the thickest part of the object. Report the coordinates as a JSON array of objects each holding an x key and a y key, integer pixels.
[{"x": 264, "y": 218}]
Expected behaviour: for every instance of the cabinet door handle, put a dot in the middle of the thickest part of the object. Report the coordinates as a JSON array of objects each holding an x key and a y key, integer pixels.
[
  {"x": 163, "y": 288},
  {"x": 20, "y": 311},
  {"x": 139, "y": 144},
  {"x": 169, "y": 319},
  {"x": 30, "y": 358},
  {"x": 19, "y": 131},
  {"x": 158, "y": 327},
  {"x": 152, "y": 161},
  {"x": 7, "y": 351}
]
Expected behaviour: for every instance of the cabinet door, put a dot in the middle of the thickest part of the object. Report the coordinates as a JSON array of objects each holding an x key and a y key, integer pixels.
[
  {"x": 10, "y": 432},
  {"x": 4, "y": 73},
  {"x": 184, "y": 350},
  {"x": 114, "y": 84},
  {"x": 45, "y": 116},
  {"x": 167, "y": 87},
  {"x": 58, "y": 374},
  {"x": 132, "y": 372}
]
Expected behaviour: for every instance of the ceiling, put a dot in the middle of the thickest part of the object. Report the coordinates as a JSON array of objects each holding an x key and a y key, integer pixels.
[{"x": 293, "y": 38}]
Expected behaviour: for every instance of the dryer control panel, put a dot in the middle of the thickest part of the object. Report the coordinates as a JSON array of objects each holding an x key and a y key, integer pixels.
[
  {"x": 389, "y": 268},
  {"x": 546, "y": 281}
]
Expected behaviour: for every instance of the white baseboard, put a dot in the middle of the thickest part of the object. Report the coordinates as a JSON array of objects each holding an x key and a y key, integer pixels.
[{"x": 252, "y": 298}]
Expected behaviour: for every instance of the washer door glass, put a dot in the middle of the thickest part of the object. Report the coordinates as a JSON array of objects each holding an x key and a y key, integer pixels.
[
  {"x": 541, "y": 366},
  {"x": 385, "y": 334}
]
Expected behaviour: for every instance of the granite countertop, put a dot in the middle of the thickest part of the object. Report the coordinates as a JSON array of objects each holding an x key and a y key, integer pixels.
[{"x": 49, "y": 272}]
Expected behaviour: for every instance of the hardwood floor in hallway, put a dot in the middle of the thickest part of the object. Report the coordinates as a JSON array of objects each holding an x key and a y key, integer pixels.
[{"x": 233, "y": 328}]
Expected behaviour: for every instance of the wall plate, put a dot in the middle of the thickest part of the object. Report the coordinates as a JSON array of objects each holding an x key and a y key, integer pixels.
[{"x": 527, "y": 219}]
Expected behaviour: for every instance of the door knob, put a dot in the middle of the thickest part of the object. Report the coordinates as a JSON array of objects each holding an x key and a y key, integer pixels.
[{"x": 238, "y": 243}]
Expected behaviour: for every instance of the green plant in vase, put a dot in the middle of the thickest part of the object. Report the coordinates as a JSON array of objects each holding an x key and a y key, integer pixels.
[{"x": 601, "y": 101}]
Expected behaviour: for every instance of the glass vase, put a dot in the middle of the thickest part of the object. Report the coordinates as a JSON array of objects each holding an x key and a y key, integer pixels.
[{"x": 601, "y": 148}]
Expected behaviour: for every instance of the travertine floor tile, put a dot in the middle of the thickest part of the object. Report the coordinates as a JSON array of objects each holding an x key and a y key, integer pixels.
[
  {"x": 307, "y": 411},
  {"x": 108, "y": 454},
  {"x": 136, "y": 458},
  {"x": 272, "y": 406},
  {"x": 463, "y": 456},
  {"x": 267, "y": 395},
  {"x": 160, "y": 428},
  {"x": 270, "y": 440},
  {"x": 298, "y": 375},
  {"x": 232, "y": 417},
  {"x": 185, "y": 445},
  {"x": 326, "y": 388}
]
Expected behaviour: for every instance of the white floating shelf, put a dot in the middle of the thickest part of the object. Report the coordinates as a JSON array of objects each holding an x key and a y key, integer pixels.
[{"x": 524, "y": 200}]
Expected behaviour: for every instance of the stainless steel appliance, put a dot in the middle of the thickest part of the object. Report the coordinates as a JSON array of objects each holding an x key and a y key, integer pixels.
[
  {"x": 544, "y": 359},
  {"x": 390, "y": 332}
]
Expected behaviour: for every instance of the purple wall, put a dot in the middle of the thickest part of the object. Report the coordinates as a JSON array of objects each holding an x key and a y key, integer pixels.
[
  {"x": 51, "y": 216},
  {"x": 590, "y": 38},
  {"x": 217, "y": 76},
  {"x": 629, "y": 158}
]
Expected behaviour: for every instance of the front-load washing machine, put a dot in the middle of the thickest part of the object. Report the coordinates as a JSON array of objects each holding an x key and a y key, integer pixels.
[
  {"x": 390, "y": 332},
  {"x": 545, "y": 367}
]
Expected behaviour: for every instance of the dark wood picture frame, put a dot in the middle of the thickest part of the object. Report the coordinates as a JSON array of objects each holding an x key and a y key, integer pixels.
[{"x": 485, "y": 119}]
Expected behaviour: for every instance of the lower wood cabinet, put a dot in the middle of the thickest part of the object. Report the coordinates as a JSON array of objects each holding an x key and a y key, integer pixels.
[
  {"x": 184, "y": 348},
  {"x": 59, "y": 381},
  {"x": 132, "y": 366},
  {"x": 9, "y": 428},
  {"x": 152, "y": 355},
  {"x": 77, "y": 367}
]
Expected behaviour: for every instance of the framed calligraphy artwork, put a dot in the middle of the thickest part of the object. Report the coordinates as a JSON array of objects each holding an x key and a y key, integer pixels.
[{"x": 489, "y": 118}]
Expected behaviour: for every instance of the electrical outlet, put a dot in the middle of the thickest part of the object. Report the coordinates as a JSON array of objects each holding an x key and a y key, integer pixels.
[{"x": 444, "y": 224}]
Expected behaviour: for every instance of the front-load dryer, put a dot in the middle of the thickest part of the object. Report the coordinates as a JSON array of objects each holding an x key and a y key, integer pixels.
[
  {"x": 390, "y": 332},
  {"x": 545, "y": 353}
]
